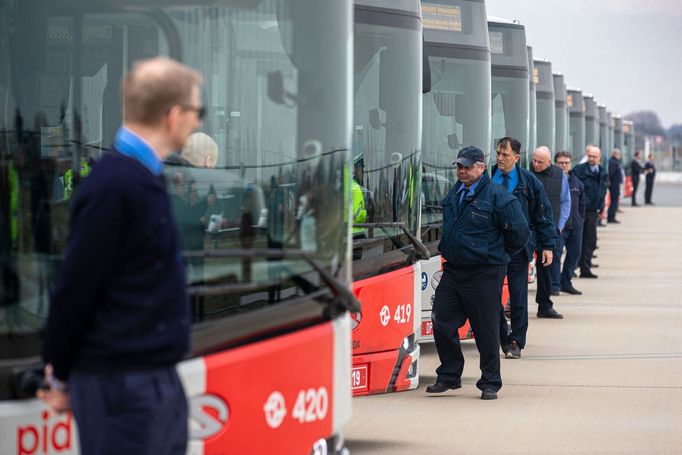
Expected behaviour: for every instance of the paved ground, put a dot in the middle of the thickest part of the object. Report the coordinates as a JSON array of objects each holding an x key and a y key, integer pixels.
[
  {"x": 606, "y": 379},
  {"x": 664, "y": 195}
]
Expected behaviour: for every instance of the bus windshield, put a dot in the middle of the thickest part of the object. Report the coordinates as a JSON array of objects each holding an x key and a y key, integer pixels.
[
  {"x": 276, "y": 88},
  {"x": 456, "y": 115},
  {"x": 386, "y": 135},
  {"x": 510, "y": 116}
]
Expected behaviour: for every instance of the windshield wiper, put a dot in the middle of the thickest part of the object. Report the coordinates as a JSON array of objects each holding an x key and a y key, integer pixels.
[
  {"x": 344, "y": 296},
  {"x": 420, "y": 248}
]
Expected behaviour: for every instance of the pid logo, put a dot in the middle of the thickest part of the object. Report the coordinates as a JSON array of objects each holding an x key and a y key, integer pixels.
[
  {"x": 425, "y": 281},
  {"x": 275, "y": 410},
  {"x": 385, "y": 315}
]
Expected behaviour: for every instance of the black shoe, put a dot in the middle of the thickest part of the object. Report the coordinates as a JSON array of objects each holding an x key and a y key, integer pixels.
[
  {"x": 557, "y": 292},
  {"x": 572, "y": 291},
  {"x": 514, "y": 351},
  {"x": 440, "y": 387},
  {"x": 614, "y": 221},
  {"x": 649, "y": 203},
  {"x": 588, "y": 275},
  {"x": 594, "y": 266},
  {"x": 635, "y": 205},
  {"x": 505, "y": 347},
  {"x": 488, "y": 394},
  {"x": 594, "y": 256},
  {"x": 550, "y": 314}
]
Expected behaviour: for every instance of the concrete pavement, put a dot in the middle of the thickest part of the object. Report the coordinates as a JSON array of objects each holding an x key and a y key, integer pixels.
[{"x": 606, "y": 379}]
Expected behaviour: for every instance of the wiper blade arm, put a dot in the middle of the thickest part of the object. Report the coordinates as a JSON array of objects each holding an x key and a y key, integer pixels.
[
  {"x": 419, "y": 247},
  {"x": 344, "y": 295}
]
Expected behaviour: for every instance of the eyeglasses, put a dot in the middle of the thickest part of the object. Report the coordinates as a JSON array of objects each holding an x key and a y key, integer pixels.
[
  {"x": 563, "y": 163},
  {"x": 201, "y": 110}
]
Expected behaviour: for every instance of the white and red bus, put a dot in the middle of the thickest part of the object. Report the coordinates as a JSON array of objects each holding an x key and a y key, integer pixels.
[
  {"x": 456, "y": 114},
  {"x": 386, "y": 248},
  {"x": 269, "y": 265}
]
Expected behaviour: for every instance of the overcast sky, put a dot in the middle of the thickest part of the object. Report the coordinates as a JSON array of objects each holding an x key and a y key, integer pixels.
[{"x": 627, "y": 53}]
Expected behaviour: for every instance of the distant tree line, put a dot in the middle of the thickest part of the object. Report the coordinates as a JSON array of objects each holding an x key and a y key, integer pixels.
[{"x": 647, "y": 123}]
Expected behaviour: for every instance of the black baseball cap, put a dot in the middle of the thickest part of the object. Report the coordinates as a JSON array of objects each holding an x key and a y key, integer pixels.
[{"x": 470, "y": 155}]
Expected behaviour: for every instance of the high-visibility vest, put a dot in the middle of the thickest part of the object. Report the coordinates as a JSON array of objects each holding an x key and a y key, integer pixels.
[
  {"x": 68, "y": 178},
  {"x": 359, "y": 211}
]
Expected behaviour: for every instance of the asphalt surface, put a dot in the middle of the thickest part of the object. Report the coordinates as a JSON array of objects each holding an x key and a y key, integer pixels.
[
  {"x": 605, "y": 379},
  {"x": 664, "y": 195}
]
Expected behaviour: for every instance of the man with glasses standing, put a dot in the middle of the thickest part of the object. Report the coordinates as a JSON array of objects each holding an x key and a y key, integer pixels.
[
  {"x": 483, "y": 227},
  {"x": 573, "y": 230},
  {"x": 120, "y": 320}
]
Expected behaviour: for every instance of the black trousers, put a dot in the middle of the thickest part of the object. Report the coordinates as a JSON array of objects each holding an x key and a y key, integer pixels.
[
  {"x": 472, "y": 293},
  {"x": 142, "y": 413},
  {"x": 589, "y": 240},
  {"x": 614, "y": 191},
  {"x": 517, "y": 281},
  {"x": 635, "y": 185},
  {"x": 649, "y": 189},
  {"x": 544, "y": 284}
]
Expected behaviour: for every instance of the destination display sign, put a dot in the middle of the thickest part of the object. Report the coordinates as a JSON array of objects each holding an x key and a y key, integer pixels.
[
  {"x": 497, "y": 42},
  {"x": 442, "y": 17}
]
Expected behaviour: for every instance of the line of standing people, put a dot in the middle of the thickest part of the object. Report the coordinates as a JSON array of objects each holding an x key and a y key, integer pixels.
[{"x": 492, "y": 228}]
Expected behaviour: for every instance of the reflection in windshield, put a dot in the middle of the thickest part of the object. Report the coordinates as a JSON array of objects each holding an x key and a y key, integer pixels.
[
  {"x": 266, "y": 171},
  {"x": 387, "y": 134},
  {"x": 455, "y": 114},
  {"x": 510, "y": 113}
]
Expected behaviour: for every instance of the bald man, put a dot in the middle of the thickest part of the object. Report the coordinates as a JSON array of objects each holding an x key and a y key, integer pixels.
[
  {"x": 201, "y": 151},
  {"x": 559, "y": 194},
  {"x": 594, "y": 178}
]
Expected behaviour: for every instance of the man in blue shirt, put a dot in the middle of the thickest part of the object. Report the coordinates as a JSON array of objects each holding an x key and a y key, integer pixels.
[
  {"x": 572, "y": 235},
  {"x": 119, "y": 319},
  {"x": 483, "y": 226},
  {"x": 538, "y": 213}
]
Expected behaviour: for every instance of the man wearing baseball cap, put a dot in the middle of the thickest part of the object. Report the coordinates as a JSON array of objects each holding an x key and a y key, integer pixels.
[{"x": 483, "y": 227}]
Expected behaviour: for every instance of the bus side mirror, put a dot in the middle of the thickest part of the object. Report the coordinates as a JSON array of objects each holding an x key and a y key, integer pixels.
[
  {"x": 426, "y": 69},
  {"x": 445, "y": 103},
  {"x": 276, "y": 90},
  {"x": 375, "y": 119},
  {"x": 453, "y": 141}
]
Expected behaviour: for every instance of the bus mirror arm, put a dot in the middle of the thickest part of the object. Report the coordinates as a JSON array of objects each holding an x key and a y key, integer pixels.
[
  {"x": 420, "y": 248},
  {"x": 27, "y": 381}
]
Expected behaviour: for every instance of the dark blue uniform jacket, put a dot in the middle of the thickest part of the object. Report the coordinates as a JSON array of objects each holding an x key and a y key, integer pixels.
[
  {"x": 615, "y": 175},
  {"x": 485, "y": 229},
  {"x": 577, "y": 217},
  {"x": 537, "y": 211},
  {"x": 595, "y": 186}
]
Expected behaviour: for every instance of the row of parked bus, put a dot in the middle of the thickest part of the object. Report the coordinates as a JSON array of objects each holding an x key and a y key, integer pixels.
[{"x": 305, "y": 99}]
